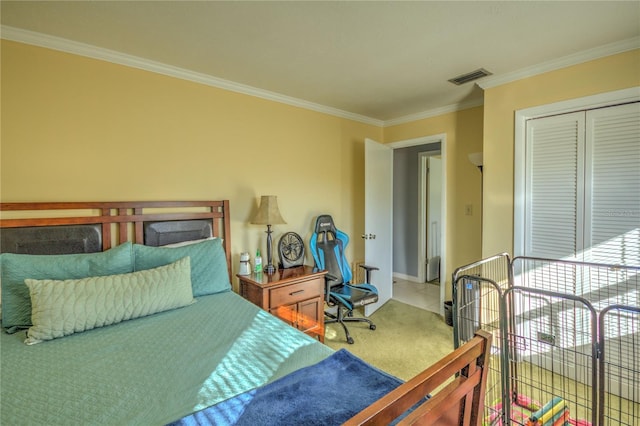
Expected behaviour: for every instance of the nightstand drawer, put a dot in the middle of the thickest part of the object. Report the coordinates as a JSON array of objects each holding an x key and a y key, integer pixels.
[
  {"x": 295, "y": 295},
  {"x": 296, "y": 292}
]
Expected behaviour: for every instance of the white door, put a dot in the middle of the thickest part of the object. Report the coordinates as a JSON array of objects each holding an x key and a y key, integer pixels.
[
  {"x": 581, "y": 186},
  {"x": 612, "y": 189},
  {"x": 581, "y": 195},
  {"x": 554, "y": 191},
  {"x": 434, "y": 220},
  {"x": 378, "y": 193}
]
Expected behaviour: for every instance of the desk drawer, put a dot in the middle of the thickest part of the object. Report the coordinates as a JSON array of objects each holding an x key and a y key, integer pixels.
[{"x": 296, "y": 292}]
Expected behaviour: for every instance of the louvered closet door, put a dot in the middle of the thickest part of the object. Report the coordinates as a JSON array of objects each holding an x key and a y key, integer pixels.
[
  {"x": 582, "y": 201},
  {"x": 612, "y": 221},
  {"x": 554, "y": 176}
]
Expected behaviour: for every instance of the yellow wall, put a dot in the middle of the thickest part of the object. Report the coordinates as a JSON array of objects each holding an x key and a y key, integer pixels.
[
  {"x": 464, "y": 181},
  {"x": 79, "y": 129},
  {"x": 500, "y": 104}
]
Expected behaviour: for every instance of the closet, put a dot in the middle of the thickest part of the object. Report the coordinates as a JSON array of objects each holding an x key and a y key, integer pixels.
[{"x": 582, "y": 186}]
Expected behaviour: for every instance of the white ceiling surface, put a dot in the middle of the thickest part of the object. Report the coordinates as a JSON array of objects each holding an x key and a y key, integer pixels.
[{"x": 381, "y": 61}]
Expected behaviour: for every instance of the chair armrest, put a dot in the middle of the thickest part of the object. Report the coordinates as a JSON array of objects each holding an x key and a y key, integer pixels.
[
  {"x": 329, "y": 276},
  {"x": 327, "y": 285},
  {"x": 368, "y": 270}
]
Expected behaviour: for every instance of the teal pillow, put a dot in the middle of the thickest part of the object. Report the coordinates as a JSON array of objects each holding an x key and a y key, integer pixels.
[
  {"x": 15, "y": 268},
  {"x": 64, "y": 307},
  {"x": 209, "y": 274}
]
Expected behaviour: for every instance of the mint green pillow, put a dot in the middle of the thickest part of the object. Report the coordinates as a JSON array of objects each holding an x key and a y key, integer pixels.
[
  {"x": 15, "y": 268},
  {"x": 209, "y": 274},
  {"x": 62, "y": 308}
]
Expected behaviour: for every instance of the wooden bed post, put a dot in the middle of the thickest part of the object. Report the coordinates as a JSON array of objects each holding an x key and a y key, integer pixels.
[
  {"x": 106, "y": 230},
  {"x": 227, "y": 240}
]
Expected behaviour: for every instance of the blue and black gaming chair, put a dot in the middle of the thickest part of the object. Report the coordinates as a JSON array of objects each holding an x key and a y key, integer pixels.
[{"x": 327, "y": 246}]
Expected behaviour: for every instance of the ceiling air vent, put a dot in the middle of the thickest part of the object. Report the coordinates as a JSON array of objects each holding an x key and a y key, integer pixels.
[{"x": 470, "y": 76}]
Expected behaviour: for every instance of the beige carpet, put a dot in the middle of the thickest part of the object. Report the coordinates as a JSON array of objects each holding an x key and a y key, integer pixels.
[{"x": 406, "y": 339}]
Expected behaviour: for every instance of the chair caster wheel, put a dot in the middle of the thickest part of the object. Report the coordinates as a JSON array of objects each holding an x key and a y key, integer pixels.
[
  {"x": 372, "y": 327},
  {"x": 350, "y": 340}
]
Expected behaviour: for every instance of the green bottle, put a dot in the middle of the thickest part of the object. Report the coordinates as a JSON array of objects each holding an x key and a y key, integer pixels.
[{"x": 258, "y": 267}]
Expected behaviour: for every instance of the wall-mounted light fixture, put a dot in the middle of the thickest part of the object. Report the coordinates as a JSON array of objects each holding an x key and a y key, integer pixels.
[{"x": 476, "y": 159}]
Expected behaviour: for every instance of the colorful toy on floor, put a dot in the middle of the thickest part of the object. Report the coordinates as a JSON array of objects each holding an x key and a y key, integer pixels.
[
  {"x": 528, "y": 412},
  {"x": 521, "y": 410},
  {"x": 553, "y": 413}
]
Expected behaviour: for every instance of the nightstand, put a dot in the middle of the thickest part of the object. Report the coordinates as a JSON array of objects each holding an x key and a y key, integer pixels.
[{"x": 295, "y": 295}]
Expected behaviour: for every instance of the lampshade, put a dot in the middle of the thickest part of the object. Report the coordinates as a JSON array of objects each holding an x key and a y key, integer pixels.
[{"x": 268, "y": 212}]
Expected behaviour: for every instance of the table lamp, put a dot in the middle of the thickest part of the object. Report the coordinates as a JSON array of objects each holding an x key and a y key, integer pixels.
[{"x": 268, "y": 214}]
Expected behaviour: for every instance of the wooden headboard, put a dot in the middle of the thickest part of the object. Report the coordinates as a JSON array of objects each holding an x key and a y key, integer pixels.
[{"x": 120, "y": 221}]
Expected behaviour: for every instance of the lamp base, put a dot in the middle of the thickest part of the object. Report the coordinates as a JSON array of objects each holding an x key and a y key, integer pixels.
[{"x": 269, "y": 269}]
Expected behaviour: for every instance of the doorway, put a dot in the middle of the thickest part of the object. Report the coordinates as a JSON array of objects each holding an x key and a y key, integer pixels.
[
  {"x": 418, "y": 232},
  {"x": 430, "y": 206}
]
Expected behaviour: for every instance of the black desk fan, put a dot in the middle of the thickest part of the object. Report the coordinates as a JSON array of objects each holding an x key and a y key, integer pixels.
[{"x": 291, "y": 250}]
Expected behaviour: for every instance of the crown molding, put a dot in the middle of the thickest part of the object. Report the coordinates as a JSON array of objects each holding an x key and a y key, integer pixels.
[
  {"x": 433, "y": 112},
  {"x": 87, "y": 50},
  {"x": 566, "y": 61},
  {"x": 497, "y": 80},
  {"x": 90, "y": 51}
]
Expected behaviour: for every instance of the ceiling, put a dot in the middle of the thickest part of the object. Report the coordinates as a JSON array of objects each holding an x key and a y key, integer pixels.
[{"x": 377, "y": 60}]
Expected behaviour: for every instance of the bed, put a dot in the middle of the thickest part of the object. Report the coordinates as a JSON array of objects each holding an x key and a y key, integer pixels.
[{"x": 123, "y": 313}]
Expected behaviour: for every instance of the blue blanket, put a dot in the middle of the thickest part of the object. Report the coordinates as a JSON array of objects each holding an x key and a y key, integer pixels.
[{"x": 327, "y": 393}]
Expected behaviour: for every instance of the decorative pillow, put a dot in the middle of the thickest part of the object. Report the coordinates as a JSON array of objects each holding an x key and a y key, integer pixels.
[
  {"x": 208, "y": 263},
  {"x": 15, "y": 268},
  {"x": 62, "y": 308}
]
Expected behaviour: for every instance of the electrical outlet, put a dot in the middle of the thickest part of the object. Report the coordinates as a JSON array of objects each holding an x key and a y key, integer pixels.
[{"x": 468, "y": 209}]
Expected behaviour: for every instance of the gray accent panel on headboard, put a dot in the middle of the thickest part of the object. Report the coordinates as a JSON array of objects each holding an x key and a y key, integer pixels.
[
  {"x": 66, "y": 239},
  {"x": 176, "y": 231}
]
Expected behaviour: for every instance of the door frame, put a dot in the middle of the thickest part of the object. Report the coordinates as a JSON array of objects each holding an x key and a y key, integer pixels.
[
  {"x": 442, "y": 138},
  {"x": 423, "y": 203}
]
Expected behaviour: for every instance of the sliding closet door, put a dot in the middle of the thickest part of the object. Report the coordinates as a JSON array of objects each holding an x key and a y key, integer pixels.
[
  {"x": 612, "y": 221},
  {"x": 554, "y": 196}
]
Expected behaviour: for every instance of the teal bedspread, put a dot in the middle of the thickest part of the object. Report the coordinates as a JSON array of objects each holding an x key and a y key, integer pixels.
[{"x": 150, "y": 370}]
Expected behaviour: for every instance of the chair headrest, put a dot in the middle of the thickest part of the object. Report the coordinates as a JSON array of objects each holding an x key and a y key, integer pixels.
[{"x": 325, "y": 224}]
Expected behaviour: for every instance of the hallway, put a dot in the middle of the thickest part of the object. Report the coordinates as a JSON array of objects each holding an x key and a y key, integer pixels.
[{"x": 421, "y": 295}]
